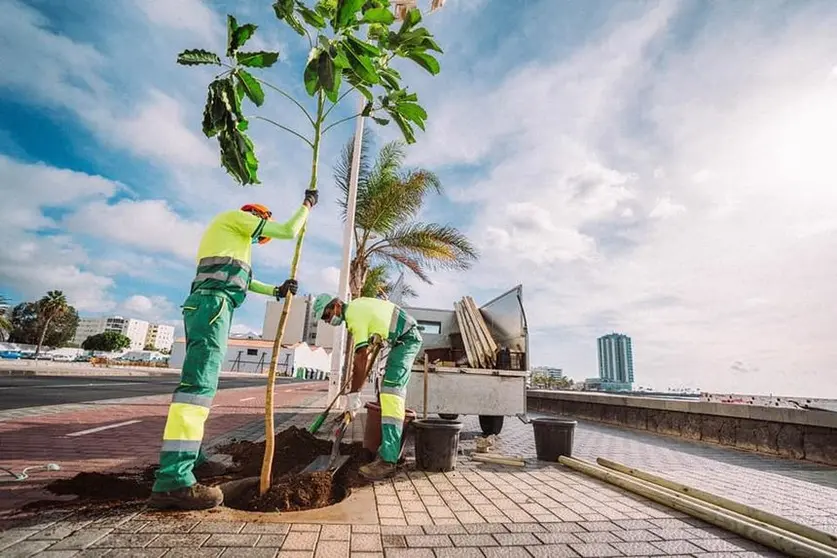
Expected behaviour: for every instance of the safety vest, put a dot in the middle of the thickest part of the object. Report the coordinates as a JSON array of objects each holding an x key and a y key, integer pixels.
[
  {"x": 225, "y": 274},
  {"x": 367, "y": 316}
]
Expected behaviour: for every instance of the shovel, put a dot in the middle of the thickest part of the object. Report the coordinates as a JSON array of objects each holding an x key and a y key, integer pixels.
[{"x": 332, "y": 463}]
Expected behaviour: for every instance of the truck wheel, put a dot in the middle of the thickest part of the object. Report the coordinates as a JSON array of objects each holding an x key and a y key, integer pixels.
[
  {"x": 448, "y": 416},
  {"x": 491, "y": 424}
]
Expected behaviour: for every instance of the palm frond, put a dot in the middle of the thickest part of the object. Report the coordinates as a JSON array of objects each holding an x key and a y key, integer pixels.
[
  {"x": 395, "y": 198},
  {"x": 413, "y": 264},
  {"x": 434, "y": 247},
  {"x": 343, "y": 169}
]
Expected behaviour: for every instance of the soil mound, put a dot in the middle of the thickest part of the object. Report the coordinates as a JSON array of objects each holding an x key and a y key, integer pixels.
[
  {"x": 291, "y": 490},
  {"x": 103, "y": 486}
]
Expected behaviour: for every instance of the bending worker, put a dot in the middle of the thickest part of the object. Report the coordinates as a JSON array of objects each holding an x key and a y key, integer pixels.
[
  {"x": 223, "y": 278},
  {"x": 366, "y": 318}
]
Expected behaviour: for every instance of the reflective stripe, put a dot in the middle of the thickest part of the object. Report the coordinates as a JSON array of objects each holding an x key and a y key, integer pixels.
[
  {"x": 181, "y": 445},
  {"x": 399, "y": 392},
  {"x": 185, "y": 422},
  {"x": 200, "y": 400},
  {"x": 393, "y": 321},
  {"x": 223, "y": 277},
  {"x": 398, "y": 423},
  {"x": 223, "y": 260},
  {"x": 392, "y": 406},
  {"x": 220, "y": 310}
]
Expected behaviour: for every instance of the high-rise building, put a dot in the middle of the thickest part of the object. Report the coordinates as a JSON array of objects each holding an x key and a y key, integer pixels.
[
  {"x": 135, "y": 330},
  {"x": 160, "y": 336},
  {"x": 616, "y": 360}
]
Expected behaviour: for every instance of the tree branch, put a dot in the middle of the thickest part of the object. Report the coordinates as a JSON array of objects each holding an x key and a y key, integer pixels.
[
  {"x": 330, "y": 126},
  {"x": 294, "y": 132},
  {"x": 288, "y": 96},
  {"x": 337, "y": 102}
]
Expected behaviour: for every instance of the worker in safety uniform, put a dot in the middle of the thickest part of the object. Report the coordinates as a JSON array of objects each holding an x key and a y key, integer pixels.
[
  {"x": 221, "y": 283},
  {"x": 367, "y": 318}
]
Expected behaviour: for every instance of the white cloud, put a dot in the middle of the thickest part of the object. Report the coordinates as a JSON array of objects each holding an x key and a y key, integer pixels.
[
  {"x": 747, "y": 152},
  {"x": 153, "y": 308},
  {"x": 149, "y": 225},
  {"x": 184, "y": 15}
]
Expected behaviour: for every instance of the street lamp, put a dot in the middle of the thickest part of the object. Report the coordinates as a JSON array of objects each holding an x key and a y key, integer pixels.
[{"x": 335, "y": 378}]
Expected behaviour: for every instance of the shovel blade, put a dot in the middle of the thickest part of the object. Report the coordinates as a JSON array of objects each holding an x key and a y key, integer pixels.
[{"x": 325, "y": 464}]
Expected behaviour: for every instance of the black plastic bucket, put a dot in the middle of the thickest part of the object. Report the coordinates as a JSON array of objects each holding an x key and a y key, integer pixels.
[
  {"x": 437, "y": 443},
  {"x": 553, "y": 438}
]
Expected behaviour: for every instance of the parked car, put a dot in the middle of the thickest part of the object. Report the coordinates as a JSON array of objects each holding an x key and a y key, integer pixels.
[
  {"x": 10, "y": 354},
  {"x": 43, "y": 356},
  {"x": 62, "y": 358}
]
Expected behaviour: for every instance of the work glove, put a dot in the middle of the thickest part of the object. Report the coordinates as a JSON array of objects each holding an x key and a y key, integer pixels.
[
  {"x": 353, "y": 404},
  {"x": 311, "y": 198},
  {"x": 290, "y": 285}
]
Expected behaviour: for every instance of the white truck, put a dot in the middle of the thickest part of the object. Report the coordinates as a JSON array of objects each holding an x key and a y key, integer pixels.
[{"x": 453, "y": 389}]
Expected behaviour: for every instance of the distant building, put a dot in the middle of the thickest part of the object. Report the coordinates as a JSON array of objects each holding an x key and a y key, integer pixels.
[
  {"x": 253, "y": 356},
  {"x": 549, "y": 372},
  {"x": 300, "y": 327},
  {"x": 616, "y": 363},
  {"x": 135, "y": 330},
  {"x": 160, "y": 336}
]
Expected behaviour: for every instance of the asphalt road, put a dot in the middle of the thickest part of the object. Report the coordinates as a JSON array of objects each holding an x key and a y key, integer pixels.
[{"x": 35, "y": 391}]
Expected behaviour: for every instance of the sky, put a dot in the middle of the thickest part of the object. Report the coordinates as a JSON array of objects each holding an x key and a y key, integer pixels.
[{"x": 664, "y": 170}]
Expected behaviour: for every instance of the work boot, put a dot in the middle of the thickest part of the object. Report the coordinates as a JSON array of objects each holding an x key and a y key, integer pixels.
[
  {"x": 377, "y": 470},
  {"x": 195, "y": 497}
]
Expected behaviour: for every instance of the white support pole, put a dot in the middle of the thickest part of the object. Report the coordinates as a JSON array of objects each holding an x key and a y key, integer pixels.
[{"x": 335, "y": 379}]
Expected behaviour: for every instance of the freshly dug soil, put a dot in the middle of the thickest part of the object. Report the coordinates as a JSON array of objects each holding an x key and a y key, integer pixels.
[
  {"x": 104, "y": 486},
  {"x": 291, "y": 490}
]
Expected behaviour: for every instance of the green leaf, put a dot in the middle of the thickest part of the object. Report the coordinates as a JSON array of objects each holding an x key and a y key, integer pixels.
[
  {"x": 362, "y": 67},
  {"x": 412, "y": 18},
  {"x": 412, "y": 111},
  {"x": 390, "y": 78},
  {"x": 361, "y": 47},
  {"x": 284, "y": 10},
  {"x": 232, "y": 25},
  {"x": 406, "y": 129},
  {"x": 339, "y": 57},
  {"x": 196, "y": 57},
  {"x": 346, "y": 10},
  {"x": 243, "y": 125},
  {"x": 326, "y": 8},
  {"x": 238, "y": 156},
  {"x": 425, "y": 61},
  {"x": 367, "y": 109},
  {"x": 381, "y": 121},
  {"x": 364, "y": 91},
  {"x": 311, "y": 74},
  {"x": 429, "y": 44},
  {"x": 260, "y": 59},
  {"x": 311, "y": 17},
  {"x": 378, "y": 15},
  {"x": 252, "y": 88},
  {"x": 325, "y": 72},
  {"x": 243, "y": 34}
]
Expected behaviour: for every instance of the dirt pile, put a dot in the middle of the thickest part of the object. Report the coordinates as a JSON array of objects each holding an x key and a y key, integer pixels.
[
  {"x": 104, "y": 486},
  {"x": 291, "y": 490}
]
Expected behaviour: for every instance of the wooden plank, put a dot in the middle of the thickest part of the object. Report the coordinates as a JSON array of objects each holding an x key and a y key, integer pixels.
[
  {"x": 483, "y": 327},
  {"x": 476, "y": 342},
  {"x": 485, "y": 352},
  {"x": 460, "y": 320}
]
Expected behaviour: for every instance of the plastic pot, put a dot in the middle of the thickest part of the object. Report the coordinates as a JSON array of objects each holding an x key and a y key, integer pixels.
[
  {"x": 437, "y": 444},
  {"x": 372, "y": 431},
  {"x": 553, "y": 438}
]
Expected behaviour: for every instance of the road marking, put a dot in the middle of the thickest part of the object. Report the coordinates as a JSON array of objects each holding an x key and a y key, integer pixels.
[
  {"x": 247, "y": 399},
  {"x": 99, "y": 429},
  {"x": 64, "y": 386}
]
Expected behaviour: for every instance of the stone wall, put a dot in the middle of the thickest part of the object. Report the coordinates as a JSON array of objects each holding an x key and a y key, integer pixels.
[{"x": 792, "y": 433}]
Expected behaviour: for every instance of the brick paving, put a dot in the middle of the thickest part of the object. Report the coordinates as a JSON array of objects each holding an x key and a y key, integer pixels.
[{"x": 479, "y": 510}]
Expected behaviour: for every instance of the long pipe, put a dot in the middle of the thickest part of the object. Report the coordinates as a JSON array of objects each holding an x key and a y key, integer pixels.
[
  {"x": 732, "y": 505},
  {"x": 335, "y": 378},
  {"x": 762, "y": 533}
]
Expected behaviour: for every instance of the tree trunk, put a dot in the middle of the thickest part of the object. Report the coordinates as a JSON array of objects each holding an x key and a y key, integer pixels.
[
  {"x": 41, "y": 338},
  {"x": 358, "y": 271}
]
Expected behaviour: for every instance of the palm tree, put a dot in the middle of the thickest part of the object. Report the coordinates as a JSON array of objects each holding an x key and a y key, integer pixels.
[
  {"x": 388, "y": 234},
  {"x": 5, "y": 322},
  {"x": 51, "y": 306},
  {"x": 378, "y": 284}
]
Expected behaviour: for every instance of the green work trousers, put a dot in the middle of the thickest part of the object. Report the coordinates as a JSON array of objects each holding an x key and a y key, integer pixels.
[
  {"x": 207, "y": 316},
  {"x": 394, "y": 390}
]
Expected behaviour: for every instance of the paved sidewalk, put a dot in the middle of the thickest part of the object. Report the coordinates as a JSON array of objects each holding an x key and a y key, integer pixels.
[{"x": 479, "y": 510}]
